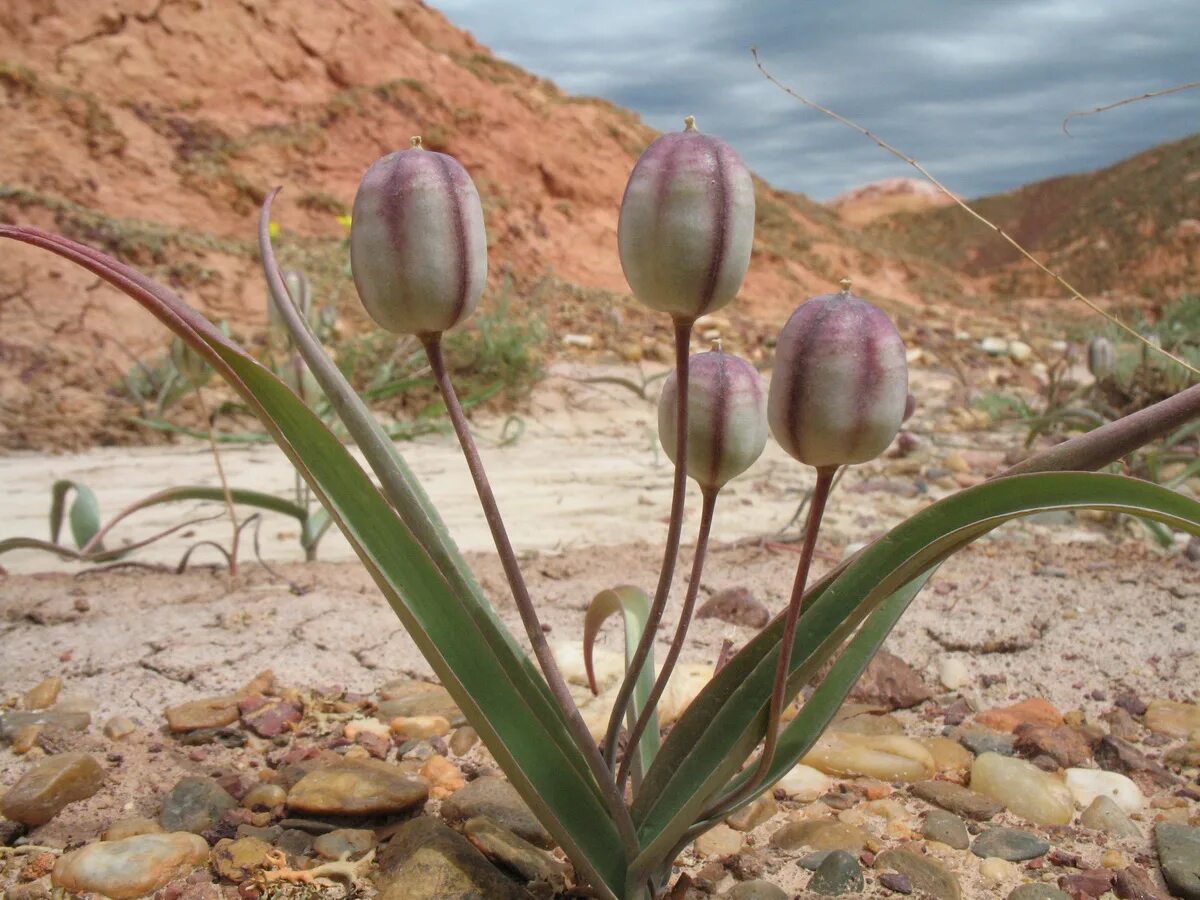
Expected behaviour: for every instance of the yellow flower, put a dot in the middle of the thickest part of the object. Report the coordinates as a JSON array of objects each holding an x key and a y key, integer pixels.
[
  {"x": 274, "y": 229},
  {"x": 344, "y": 221}
]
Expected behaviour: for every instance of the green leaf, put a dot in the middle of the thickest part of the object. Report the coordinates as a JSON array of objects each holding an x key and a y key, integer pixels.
[
  {"x": 472, "y": 653},
  {"x": 725, "y": 723},
  {"x": 634, "y": 606},
  {"x": 84, "y": 515}
]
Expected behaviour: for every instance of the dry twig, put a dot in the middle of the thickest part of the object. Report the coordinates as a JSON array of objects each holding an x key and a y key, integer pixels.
[{"x": 1147, "y": 96}]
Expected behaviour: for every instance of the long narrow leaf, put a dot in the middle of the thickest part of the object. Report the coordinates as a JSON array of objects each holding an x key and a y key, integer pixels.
[
  {"x": 724, "y": 724},
  {"x": 483, "y": 673}
]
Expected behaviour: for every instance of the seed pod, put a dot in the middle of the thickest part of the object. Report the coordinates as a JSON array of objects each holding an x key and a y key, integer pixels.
[
  {"x": 727, "y": 417},
  {"x": 840, "y": 384},
  {"x": 418, "y": 249},
  {"x": 1100, "y": 357},
  {"x": 687, "y": 224}
]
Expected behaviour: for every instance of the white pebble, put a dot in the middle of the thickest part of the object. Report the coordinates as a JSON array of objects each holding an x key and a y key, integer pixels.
[
  {"x": 952, "y": 673},
  {"x": 804, "y": 783},
  {"x": 1086, "y": 785}
]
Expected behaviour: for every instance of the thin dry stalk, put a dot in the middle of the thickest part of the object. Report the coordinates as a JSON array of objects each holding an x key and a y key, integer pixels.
[
  {"x": 973, "y": 213},
  {"x": 1147, "y": 96}
]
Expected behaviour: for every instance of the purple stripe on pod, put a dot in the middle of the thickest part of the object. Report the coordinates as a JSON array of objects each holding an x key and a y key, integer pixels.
[
  {"x": 687, "y": 224},
  {"x": 418, "y": 249},
  {"x": 727, "y": 417},
  {"x": 840, "y": 385}
]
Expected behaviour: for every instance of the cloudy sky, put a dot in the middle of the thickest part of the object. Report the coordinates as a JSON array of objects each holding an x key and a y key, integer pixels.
[{"x": 974, "y": 89}]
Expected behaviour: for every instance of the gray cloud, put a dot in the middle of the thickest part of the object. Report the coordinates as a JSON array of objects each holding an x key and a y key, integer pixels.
[{"x": 974, "y": 89}]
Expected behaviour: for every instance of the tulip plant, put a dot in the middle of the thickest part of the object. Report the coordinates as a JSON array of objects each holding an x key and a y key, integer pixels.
[{"x": 622, "y": 809}]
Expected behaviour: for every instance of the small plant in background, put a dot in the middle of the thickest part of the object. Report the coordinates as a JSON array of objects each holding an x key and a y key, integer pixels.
[{"x": 622, "y": 809}]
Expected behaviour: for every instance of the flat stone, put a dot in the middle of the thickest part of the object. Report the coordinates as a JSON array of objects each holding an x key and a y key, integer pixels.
[
  {"x": 495, "y": 798},
  {"x": 737, "y": 606},
  {"x": 13, "y": 723},
  {"x": 131, "y": 827},
  {"x": 804, "y": 783},
  {"x": 754, "y": 814},
  {"x": 1033, "y": 891},
  {"x": 1086, "y": 785},
  {"x": 295, "y": 842},
  {"x": 420, "y": 727},
  {"x": 1171, "y": 718},
  {"x": 1063, "y": 744},
  {"x": 926, "y": 874},
  {"x": 44, "y": 694},
  {"x": 947, "y": 828},
  {"x": 891, "y": 682},
  {"x": 239, "y": 860},
  {"x": 1103, "y": 814},
  {"x": 757, "y": 889},
  {"x": 211, "y": 712},
  {"x": 719, "y": 841},
  {"x": 812, "y": 861},
  {"x": 1010, "y": 844},
  {"x": 226, "y": 737},
  {"x": 426, "y": 860},
  {"x": 1035, "y": 711},
  {"x": 516, "y": 854},
  {"x": 195, "y": 804},
  {"x": 1178, "y": 849},
  {"x": 870, "y": 724},
  {"x": 1116, "y": 755},
  {"x": 984, "y": 740},
  {"x": 883, "y": 756},
  {"x": 839, "y": 874},
  {"x": 264, "y": 796},
  {"x": 358, "y": 788},
  {"x": 1134, "y": 883},
  {"x": 269, "y": 719},
  {"x": 463, "y": 740},
  {"x": 822, "y": 834},
  {"x": 1088, "y": 883},
  {"x": 1023, "y": 788},
  {"x": 131, "y": 867},
  {"x": 957, "y": 799},
  {"x": 119, "y": 727},
  {"x": 416, "y": 698},
  {"x": 343, "y": 841},
  {"x": 49, "y": 785},
  {"x": 948, "y": 755}
]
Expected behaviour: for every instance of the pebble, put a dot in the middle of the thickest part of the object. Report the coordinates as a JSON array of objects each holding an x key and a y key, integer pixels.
[
  {"x": 804, "y": 783},
  {"x": 757, "y": 889},
  {"x": 953, "y": 673},
  {"x": 1103, "y": 814},
  {"x": 1171, "y": 718},
  {"x": 994, "y": 346},
  {"x": 426, "y": 860},
  {"x": 869, "y": 724},
  {"x": 1116, "y": 755},
  {"x": 49, "y": 785},
  {"x": 211, "y": 712},
  {"x": 1113, "y": 859},
  {"x": 1187, "y": 755},
  {"x": 13, "y": 723},
  {"x": 896, "y": 882},
  {"x": 1023, "y": 788},
  {"x": 957, "y": 799},
  {"x": 358, "y": 788},
  {"x": 822, "y": 834},
  {"x": 239, "y": 860},
  {"x": 443, "y": 776},
  {"x": 1088, "y": 883},
  {"x": 269, "y": 718},
  {"x": 125, "y": 828},
  {"x": 1178, "y": 849},
  {"x": 1061, "y": 743},
  {"x": 754, "y": 814},
  {"x": 983, "y": 740},
  {"x": 812, "y": 861},
  {"x": 1035, "y": 711},
  {"x": 195, "y": 804},
  {"x": 1010, "y": 844},
  {"x": 130, "y": 867},
  {"x": 119, "y": 727},
  {"x": 26, "y": 739},
  {"x": 343, "y": 841},
  {"x": 737, "y": 606},
  {"x": 495, "y": 798},
  {"x": 1086, "y": 785},
  {"x": 890, "y": 682},
  {"x": 997, "y": 870},
  {"x": 463, "y": 740},
  {"x": 926, "y": 874},
  {"x": 295, "y": 843},
  {"x": 1033, "y": 891},
  {"x": 43, "y": 695},
  {"x": 1019, "y": 351},
  {"x": 264, "y": 796},
  {"x": 420, "y": 727},
  {"x": 719, "y": 841},
  {"x": 839, "y": 874},
  {"x": 948, "y": 755},
  {"x": 946, "y": 827},
  {"x": 416, "y": 698},
  {"x": 1135, "y": 883},
  {"x": 884, "y": 756},
  {"x": 502, "y": 846}
]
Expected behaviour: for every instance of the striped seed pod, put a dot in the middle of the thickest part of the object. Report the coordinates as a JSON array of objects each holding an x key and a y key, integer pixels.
[
  {"x": 418, "y": 250},
  {"x": 839, "y": 389},
  {"x": 687, "y": 224},
  {"x": 1101, "y": 360},
  {"x": 727, "y": 417}
]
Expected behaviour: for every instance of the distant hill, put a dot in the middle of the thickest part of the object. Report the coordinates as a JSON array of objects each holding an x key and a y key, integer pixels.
[
  {"x": 1131, "y": 230},
  {"x": 865, "y": 204}
]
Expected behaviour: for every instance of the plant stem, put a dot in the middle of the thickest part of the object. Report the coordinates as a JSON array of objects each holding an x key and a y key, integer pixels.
[
  {"x": 683, "y": 339},
  {"x": 685, "y": 619},
  {"x": 820, "y": 495},
  {"x": 516, "y": 582},
  {"x": 212, "y": 443}
]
